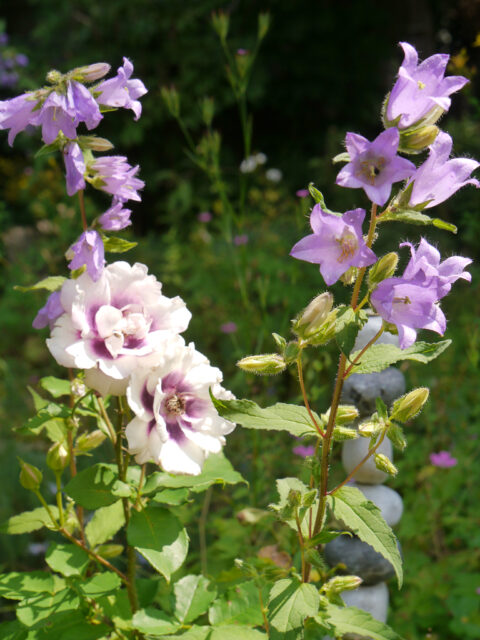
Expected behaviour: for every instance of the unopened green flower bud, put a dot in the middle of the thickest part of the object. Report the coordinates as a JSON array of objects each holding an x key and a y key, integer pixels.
[
  {"x": 57, "y": 457},
  {"x": 342, "y": 583},
  {"x": 349, "y": 276},
  {"x": 369, "y": 428},
  {"x": 54, "y": 76},
  {"x": 208, "y": 109},
  {"x": 417, "y": 140},
  {"x": 221, "y": 23},
  {"x": 409, "y": 405},
  {"x": 311, "y": 319},
  {"x": 346, "y": 413},
  {"x": 30, "y": 476},
  {"x": 110, "y": 550},
  {"x": 340, "y": 434},
  {"x": 88, "y": 441},
  {"x": 396, "y": 437},
  {"x": 383, "y": 269},
  {"x": 327, "y": 331},
  {"x": 95, "y": 143},
  {"x": 294, "y": 498},
  {"x": 91, "y": 72},
  {"x": 172, "y": 100},
  {"x": 263, "y": 25},
  {"x": 383, "y": 463},
  {"x": 266, "y": 364}
]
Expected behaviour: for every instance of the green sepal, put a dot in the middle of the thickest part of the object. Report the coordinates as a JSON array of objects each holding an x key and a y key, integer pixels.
[
  {"x": 411, "y": 216},
  {"x": 347, "y": 326},
  {"x": 319, "y": 199},
  {"x": 117, "y": 245},
  {"x": 52, "y": 283}
]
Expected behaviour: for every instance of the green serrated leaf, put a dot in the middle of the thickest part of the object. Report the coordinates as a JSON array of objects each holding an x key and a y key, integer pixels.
[
  {"x": 193, "y": 596},
  {"x": 352, "y": 620},
  {"x": 216, "y": 470},
  {"x": 347, "y": 325},
  {"x": 153, "y": 622},
  {"x": 380, "y": 356},
  {"x": 100, "y": 584},
  {"x": 29, "y": 521},
  {"x": 240, "y": 605},
  {"x": 51, "y": 283},
  {"x": 56, "y": 387},
  {"x": 48, "y": 149},
  {"x": 117, "y": 245},
  {"x": 17, "y": 585},
  {"x": 13, "y": 630},
  {"x": 172, "y": 496},
  {"x": 32, "y": 610},
  {"x": 284, "y": 487},
  {"x": 95, "y": 487},
  {"x": 278, "y": 417},
  {"x": 349, "y": 505},
  {"x": 159, "y": 537},
  {"x": 105, "y": 523},
  {"x": 411, "y": 216},
  {"x": 290, "y": 602},
  {"x": 235, "y": 632},
  {"x": 67, "y": 559}
]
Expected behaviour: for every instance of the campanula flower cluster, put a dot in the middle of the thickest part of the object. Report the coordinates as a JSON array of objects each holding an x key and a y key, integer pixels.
[
  {"x": 113, "y": 321},
  {"x": 410, "y": 302}
]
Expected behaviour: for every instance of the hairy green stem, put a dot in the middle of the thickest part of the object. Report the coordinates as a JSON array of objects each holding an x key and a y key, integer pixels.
[{"x": 202, "y": 528}]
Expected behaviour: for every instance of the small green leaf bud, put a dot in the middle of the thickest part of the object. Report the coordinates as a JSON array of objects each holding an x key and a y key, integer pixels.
[
  {"x": 208, "y": 110},
  {"x": 88, "y": 441},
  {"x": 30, "y": 476},
  {"x": 57, "y": 457},
  {"x": 369, "y": 428},
  {"x": 54, "y": 76},
  {"x": 409, "y": 405},
  {"x": 91, "y": 72},
  {"x": 294, "y": 498},
  {"x": 383, "y": 269},
  {"x": 341, "y": 157},
  {"x": 311, "y": 319},
  {"x": 383, "y": 463},
  {"x": 342, "y": 583},
  {"x": 263, "y": 25},
  {"x": 291, "y": 352},
  {"x": 396, "y": 437},
  {"x": 417, "y": 140},
  {"x": 95, "y": 143},
  {"x": 110, "y": 550},
  {"x": 221, "y": 23},
  {"x": 266, "y": 364},
  {"x": 280, "y": 341},
  {"x": 309, "y": 498},
  {"x": 172, "y": 100},
  {"x": 344, "y": 433},
  {"x": 349, "y": 276},
  {"x": 346, "y": 413}
]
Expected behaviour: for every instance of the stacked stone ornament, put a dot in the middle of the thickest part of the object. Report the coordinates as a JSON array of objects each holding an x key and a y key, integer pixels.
[{"x": 358, "y": 557}]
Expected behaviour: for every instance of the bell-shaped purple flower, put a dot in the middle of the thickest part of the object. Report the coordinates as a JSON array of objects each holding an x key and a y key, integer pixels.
[
  {"x": 63, "y": 112},
  {"x": 75, "y": 167},
  {"x": 425, "y": 267},
  {"x": 421, "y": 89},
  {"x": 336, "y": 243},
  {"x": 114, "y": 175},
  {"x": 88, "y": 251},
  {"x": 49, "y": 313},
  {"x": 374, "y": 166},
  {"x": 121, "y": 91},
  {"x": 115, "y": 218},
  {"x": 17, "y": 113},
  {"x": 409, "y": 305},
  {"x": 438, "y": 177}
]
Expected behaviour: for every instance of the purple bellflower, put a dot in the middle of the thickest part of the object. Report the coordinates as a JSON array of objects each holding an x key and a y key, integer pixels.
[
  {"x": 118, "y": 177},
  {"x": 116, "y": 217},
  {"x": 16, "y": 114},
  {"x": 75, "y": 167},
  {"x": 438, "y": 177},
  {"x": 421, "y": 88},
  {"x": 443, "y": 459},
  {"x": 336, "y": 243},
  {"x": 425, "y": 267},
  {"x": 121, "y": 91},
  {"x": 374, "y": 166},
  {"x": 88, "y": 251},
  {"x": 304, "y": 450},
  {"x": 49, "y": 313},
  {"x": 63, "y": 112}
]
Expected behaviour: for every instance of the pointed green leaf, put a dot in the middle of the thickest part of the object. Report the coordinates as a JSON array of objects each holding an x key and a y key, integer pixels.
[
  {"x": 364, "y": 518},
  {"x": 56, "y": 387},
  {"x": 352, "y": 620},
  {"x": 105, "y": 523},
  {"x": 96, "y": 486},
  {"x": 67, "y": 559},
  {"x": 100, "y": 584},
  {"x": 50, "y": 284},
  {"x": 13, "y": 630},
  {"x": 18, "y": 585},
  {"x": 235, "y": 632},
  {"x": 32, "y": 610},
  {"x": 241, "y": 605},
  {"x": 193, "y": 596},
  {"x": 347, "y": 325},
  {"x": 153, "y": 622},
  {"x": 29, "y": 521},
  {"x": 284, "y": 487},
  {"x": 416, "y": 217},
  {"x": 159, "y": 537},
  {"x": 172, "y": 496},
  {"x": 290, "y": 602},
  {"x": 381, "y": 356},
  {"x": 117, "y": 245},
  {"x": 279, "y": 417}
]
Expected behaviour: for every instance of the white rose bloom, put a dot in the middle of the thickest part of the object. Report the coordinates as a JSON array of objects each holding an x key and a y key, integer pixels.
[
  {"x": 176, "y": 423},
  {"x": 112, "y": 326}
]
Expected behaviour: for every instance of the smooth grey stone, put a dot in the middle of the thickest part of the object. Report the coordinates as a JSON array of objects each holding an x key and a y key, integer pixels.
[
  {"x": 369, "y": 330},
  {"x": 387, "y": 500},
  {"x": 363, "y": 389},
  {"x": 353, "y": 451},
  {"x": 359, "y": 558},
  {"x": 373, "y": 599}
]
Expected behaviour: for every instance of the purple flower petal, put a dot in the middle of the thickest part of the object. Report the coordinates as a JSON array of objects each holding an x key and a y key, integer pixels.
[
  {"x": 49, "y": 313},
  {"x": 89, "y": 251},
  {"x": 75, "y": 167},
  {"x": 121, "y": 91},
  {"x": 115, "y": 218}
]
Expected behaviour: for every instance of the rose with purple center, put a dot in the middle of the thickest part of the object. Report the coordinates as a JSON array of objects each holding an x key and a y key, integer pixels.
[
  {"x": 121, "y": 91},
  {"x": 336, "y": 243},
  {"x": 374, "y": 166},
  {"x": 176, "y": 424},
  {"x": 421, "y": 90},
  {"x": 114, "y": 175},
  {"x": 443, "y": 459},
  {"x": 438, "y": 178},
  {"x": 112, "y": 326}
]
